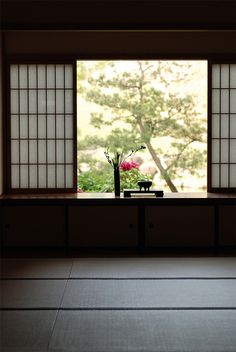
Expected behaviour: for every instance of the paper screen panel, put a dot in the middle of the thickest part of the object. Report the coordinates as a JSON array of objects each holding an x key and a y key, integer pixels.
[
  {"x": 215, "y": 76},
  {"x": 14, "y": 76},
  {"x": 24, "y": 176},
  {"x": 233, "y": 151},
  {"x": 23, "y": 76},
  {"x": 51, "y": 176},
  {"x": 60, "y": 176},
  {"x": 33, "y": 176},
  {"x": 68, "y": 76},
  {"x": 69, "y": 176},
  {"x": 15, "y": 176},
  {"x": 233, "y": 126},
  {"x": 233, "y": 101},
  {"x": 41, "y": 126},
  {"x": 224, "y": 124},
  {"x": 224, "y": 176},
  {"x": 32, "y": 76},
  {"x": 233, "y": 175},
  {"x": 224, "y": 82},
  {"x": 216, "y": 101},
  {"x": 14, "y": 106},
  {"x": 14, "y": 126},
  {"x": 60, "y": 76},
  {"x": 215, "y": 175},
  {"x": 24, "y": 151},
  {"x": 33, "y": 151},
  {"x": 223, "y": 132},
  {"x": 233, "y": 76}
]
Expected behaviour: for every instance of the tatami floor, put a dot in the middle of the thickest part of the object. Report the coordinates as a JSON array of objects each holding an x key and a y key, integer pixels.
[{"x": 123, "y": 304}]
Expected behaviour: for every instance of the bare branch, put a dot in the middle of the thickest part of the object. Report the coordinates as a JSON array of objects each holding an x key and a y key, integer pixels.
[{"x": 179, "y": 154}]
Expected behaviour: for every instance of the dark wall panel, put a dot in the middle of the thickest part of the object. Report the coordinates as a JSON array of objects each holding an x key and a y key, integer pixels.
[
  {"x": 227, "y": 225},
  {"x": 33, "y": 226},
  {"x": 120, "y": 44},
  {"x": 179, "y": 226},
  {"x": 107, "y": 226}
]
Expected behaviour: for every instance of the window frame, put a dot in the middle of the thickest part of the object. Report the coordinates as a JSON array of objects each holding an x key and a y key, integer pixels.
[{"x": 65, "y": 59}]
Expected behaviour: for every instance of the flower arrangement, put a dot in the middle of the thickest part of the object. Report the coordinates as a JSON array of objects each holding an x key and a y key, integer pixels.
[
  {"x": 128, "y": 165},
  {"x": 119, "y": 160}
]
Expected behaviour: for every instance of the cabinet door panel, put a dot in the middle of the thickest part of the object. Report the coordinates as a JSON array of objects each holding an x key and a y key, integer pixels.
[
  {"x": 33, "y": 226},
  {"x": 105, "y": 226},
  {"x": 227, "y": 225},
  {"x": 179, "y": 226}
]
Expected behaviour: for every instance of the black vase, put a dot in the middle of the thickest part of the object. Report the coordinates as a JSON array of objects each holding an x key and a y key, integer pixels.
[{"x": 117, "y": 181}]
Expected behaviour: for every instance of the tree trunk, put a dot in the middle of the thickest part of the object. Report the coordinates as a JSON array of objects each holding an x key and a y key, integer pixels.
[
  {"x": 157, "y": 161},
  {"x": 161, "y": 168}
]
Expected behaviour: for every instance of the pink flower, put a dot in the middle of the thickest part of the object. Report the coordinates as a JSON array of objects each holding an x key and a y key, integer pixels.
[
  {"x": 128, "y": 165},
  {"x": 79, "y": 190}
]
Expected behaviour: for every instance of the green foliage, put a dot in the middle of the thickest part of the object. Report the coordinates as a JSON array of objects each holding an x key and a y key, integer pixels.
[
  {"x": 129, "y": 179},
  {"x": 103, "y": 180},
  {"x": 91, "y": 142},
  {"x": 124, "y": 139},
  {"x": 140, "y": 98},
  {"x": 95, "y": 181}
]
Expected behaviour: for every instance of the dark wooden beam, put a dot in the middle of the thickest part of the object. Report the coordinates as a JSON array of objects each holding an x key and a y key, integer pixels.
[{"x": 118, "y": 14}]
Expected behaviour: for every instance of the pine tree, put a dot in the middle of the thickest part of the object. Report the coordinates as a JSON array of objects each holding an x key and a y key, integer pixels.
[{"x": 141, "y": 98}]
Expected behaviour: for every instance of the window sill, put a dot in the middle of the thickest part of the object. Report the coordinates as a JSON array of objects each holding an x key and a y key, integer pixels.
[{"x": 109, "y": 198}]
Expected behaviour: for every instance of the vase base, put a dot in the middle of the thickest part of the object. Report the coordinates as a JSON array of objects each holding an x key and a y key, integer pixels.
[{"x": 129, "y": 192}]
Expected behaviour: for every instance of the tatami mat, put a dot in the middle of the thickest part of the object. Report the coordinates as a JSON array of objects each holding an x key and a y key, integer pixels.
[
  {"x": 118, "y": 267},
  {"x": 31, "y": 293},
  {"x": 26, "y": 331},
  {"x": 153, "y": 267},
  {"x": 118, "y": 305},
  {"x": 35, "y": 268},
  {"x": 149, "y": 293},
  {"x": 144, "y": 331}
]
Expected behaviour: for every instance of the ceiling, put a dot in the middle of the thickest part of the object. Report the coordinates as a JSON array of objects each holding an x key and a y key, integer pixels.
[{"x": 118, "y": 14}]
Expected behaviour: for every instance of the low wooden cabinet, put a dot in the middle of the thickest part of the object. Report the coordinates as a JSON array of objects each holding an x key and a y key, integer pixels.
[
  {"x": 179, "y": 226},
  {"x": 29, "y": 226},
  {"x": 109, "y": 222},
  {"x": 103, "y": 226},
  {"x": 227, "y": 225}
]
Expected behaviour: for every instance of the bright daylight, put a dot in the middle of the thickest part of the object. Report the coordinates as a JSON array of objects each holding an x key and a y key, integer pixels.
[{"x": 161, "y": 105}]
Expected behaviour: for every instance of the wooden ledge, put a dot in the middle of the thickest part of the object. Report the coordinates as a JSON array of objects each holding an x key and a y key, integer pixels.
[{"x": 109, "y": 198}]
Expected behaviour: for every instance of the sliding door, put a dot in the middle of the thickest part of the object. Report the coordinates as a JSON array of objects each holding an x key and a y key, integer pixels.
[{"x": 42, "y": 127}]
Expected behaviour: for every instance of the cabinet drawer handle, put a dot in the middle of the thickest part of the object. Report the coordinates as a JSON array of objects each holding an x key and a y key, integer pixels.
[{"x": 151, "y": 226}]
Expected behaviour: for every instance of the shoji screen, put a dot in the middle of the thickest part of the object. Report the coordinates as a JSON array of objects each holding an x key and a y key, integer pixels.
[
  {"x": 41, "y": 126},
  {"x": 223, "y": 128}
]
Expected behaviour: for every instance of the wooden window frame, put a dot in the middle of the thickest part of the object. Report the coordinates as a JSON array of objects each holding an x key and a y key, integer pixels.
[{"x": 32, "y": 59}]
